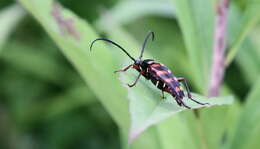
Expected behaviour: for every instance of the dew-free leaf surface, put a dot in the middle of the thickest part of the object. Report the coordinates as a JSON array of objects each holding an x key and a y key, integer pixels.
[{"x": 147, "y": 107}]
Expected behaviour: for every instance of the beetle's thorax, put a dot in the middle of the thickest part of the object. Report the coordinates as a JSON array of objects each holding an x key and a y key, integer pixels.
[
  {"x": 145, "y": 63},
  {"x": 140, "y": 65}
]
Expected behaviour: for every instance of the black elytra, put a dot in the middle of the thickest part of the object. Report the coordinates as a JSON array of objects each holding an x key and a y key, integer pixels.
[{"x": 159, "y": 74}]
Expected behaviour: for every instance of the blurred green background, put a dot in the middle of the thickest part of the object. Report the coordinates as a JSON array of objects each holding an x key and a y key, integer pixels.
[{"x": 45, "y": 103}]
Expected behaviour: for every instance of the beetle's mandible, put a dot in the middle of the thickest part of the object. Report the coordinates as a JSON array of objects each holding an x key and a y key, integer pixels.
[{"x": 159, "y": 74}]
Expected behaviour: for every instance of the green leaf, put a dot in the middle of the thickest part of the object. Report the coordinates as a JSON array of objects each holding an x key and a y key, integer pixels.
[
  {"x": 147, "y": 108},
  {"x": 247, "y": 130},
  {"x": 196, "y": 22},
  {"x": 9, "y": 18},
  {"x": 240, "y": 29}
]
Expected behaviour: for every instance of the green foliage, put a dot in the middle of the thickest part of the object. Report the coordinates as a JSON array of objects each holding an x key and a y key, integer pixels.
[{"x": 50, "y": 91}]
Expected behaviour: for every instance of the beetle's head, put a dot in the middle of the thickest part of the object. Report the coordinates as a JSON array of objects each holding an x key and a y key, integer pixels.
[{"x": 137, "y": 64}]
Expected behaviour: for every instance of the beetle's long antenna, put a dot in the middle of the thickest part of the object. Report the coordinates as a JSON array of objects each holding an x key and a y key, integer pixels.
[
  {"x": 145, "y": 41},
  {"x": 107, "y": 40}
]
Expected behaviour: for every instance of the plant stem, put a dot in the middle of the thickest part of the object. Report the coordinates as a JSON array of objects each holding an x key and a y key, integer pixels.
[{"x": 219, "y": 47}]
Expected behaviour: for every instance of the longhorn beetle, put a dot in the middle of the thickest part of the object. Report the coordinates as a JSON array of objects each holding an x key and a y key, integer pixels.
[{"x": 159, "y": 74}]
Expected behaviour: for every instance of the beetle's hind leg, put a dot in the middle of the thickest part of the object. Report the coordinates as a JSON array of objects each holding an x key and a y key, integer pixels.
[
  {"x": 198, "y": 101},
  {"x": 181, "y": 103},
  {"x": 181, "y": 79}
]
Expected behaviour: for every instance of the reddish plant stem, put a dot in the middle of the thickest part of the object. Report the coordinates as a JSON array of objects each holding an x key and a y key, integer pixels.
[{"x": 219, "y": 47}]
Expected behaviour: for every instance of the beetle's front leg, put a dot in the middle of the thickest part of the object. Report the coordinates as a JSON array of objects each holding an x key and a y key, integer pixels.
[
  {"x": 132, "y": 85},
  {"x": 123, "y": 70}
]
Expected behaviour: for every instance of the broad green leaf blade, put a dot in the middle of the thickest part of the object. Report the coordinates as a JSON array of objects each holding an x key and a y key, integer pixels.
[
  {"x": 9, "y": 18},
  {"x": 240, "y": 29},
  {"x": 247, "y": 130},
  {"x": 147, "y": 108},
  {"x": 196, "y": 21},
  {"x": 73, "y": 36}
]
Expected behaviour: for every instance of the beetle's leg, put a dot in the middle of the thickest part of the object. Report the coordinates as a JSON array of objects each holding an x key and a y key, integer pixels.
[
  {"x": 181, "y": 103},
  {"x": 123, "y": 70},
  {"x": 138, "y": 77},
  {"x": 163, "y": 97},
  {"x": 181, "y": 79},
  {"x": 186, "y": 105}
]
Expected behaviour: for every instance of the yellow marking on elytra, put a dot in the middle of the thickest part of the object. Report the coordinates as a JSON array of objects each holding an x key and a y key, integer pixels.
[
  {"x": 160, "y": 72},
  {"x": 168, "y": 80},
  {"x": 177, "y": 89},
  {"x": 156, "y": 65}
]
